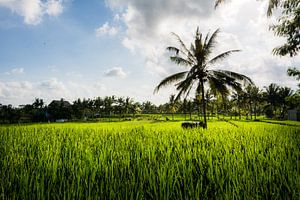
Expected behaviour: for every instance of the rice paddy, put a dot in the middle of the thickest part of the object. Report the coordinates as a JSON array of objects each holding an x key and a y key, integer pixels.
[{"x": 150, "y": 160}]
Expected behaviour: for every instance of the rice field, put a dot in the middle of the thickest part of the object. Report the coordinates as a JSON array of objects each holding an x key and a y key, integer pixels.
[{"x": 149, "y": 160}]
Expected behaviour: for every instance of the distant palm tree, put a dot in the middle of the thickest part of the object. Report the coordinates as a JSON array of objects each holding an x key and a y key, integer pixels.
[
  {"x": 284, "y": 93},
  {"x": 172, "y": 105},
  {"x": 209, "y": 98},
  {"x": 197, "y": 59},
  {"x": 253, "y": 95},
  {"x": 272, "y": 96},
  {"x": 128, "y": 104},
  {"x": 238, "y": 98}
]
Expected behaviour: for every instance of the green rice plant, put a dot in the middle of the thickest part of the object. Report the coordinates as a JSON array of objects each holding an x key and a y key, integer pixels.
[{"x": 148, "y": 160}]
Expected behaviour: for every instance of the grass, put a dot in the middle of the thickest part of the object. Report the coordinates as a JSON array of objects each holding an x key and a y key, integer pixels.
[{"x": 149, "y": 160}]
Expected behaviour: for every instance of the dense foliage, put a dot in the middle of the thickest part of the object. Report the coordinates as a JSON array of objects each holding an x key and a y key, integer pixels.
[{"x": 288, "y": 26}]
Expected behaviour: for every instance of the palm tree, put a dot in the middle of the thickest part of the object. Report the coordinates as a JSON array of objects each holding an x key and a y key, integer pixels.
[
  {"x": 197, "y": 59},
  {"x": 253, "y": 95},
  {"x": 190, "y": 108},
  {"x": 237, "y": 98},
  {"x": 209, "y": 98},
  {"x": 172, "y": 105},
  {"x": 128, "y": 104},
  {"x": 284, "y": 94},
  {"x": 272, "y": 97}
]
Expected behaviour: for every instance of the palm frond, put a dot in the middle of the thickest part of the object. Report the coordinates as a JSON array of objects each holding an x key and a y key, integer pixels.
[
  {"x": 218, "y": 2},
  {"x": 170, "y": 79},
  {"x": 189, "y": 57},
  {"x": 217, "y": 85},
  {"x": 272, "y": 5},
  {"x": 182, "y": 45},
  {"x": 221, "y": 56},
  {"x": 225, "y": 79},
  {"x": 184, "y": 87},
  {"x": 211, "y": 42},
  {"x": 174, "y": 49},
  {"x": 180, "y": 61},
  {"x": 238, "y": 76},
  {"x": 221, "y": 76},
  {"x": 235, "y": 85}
]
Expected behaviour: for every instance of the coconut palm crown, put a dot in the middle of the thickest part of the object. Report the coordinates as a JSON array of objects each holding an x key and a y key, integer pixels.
[{"x": 198, "y": 61}]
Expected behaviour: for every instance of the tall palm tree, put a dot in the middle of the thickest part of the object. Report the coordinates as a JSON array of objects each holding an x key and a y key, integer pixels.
[{"x": 198, "y": 61}]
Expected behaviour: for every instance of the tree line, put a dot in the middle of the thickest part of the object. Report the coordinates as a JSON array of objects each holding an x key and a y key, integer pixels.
[{"x": 272, "y": 101}]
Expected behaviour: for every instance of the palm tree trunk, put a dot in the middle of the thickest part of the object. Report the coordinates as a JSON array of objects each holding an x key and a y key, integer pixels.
[
  {"x": 240, "y": 117},
  {"x": 255, "y": 111},
  {"x": 203, "y": 104},
  {"x": 251, "y": 111},
  {"x": 235, "y": 113}
]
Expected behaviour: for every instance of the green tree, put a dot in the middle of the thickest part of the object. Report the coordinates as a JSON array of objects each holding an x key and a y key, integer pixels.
[
  {"x": 237, "y": 97},
  {"x": 288, "y": 26},
  {"x": 128, "y": 105},
  {"x": 198, "y": 59},
  {"x": 253, "y": 95},
  {"x": 209, "y": 96},
  {"x": 108, "y": 105},
  {"x": 173, "y": 107},
  {"x": 284, "y": 94},
  {"x": 272, "y": 96}
]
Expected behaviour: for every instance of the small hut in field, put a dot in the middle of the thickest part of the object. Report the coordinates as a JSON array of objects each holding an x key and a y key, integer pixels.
[{"x": 294, "y": 115}]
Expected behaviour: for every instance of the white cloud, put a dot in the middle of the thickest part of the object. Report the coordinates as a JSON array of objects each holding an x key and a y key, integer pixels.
[
  {"x": 24, "y": 92},
  {"x": 115, "y": 72},
  {"x": 33, "y": 11},
  {"x": 54, "y": 8},
  {"x": 51, "y": 84},
  {"x": 244, "y": 25},
  {"x": 106, "y": 29},
  {"x": 15, "y": 71}
]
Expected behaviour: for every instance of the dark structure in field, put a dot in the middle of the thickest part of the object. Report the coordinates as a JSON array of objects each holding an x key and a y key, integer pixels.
[
  {"x": 59, "y": 110},
  {"x": 293, "y": 115},
  {"x": 59, "y": 103},
  {"x": 186, "y": 125}
]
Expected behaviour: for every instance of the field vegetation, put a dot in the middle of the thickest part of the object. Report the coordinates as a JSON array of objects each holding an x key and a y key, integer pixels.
[{"x": 150, "y": 160}]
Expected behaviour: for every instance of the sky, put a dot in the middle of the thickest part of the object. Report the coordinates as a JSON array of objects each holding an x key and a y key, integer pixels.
[{"x": 53, "y": 49}]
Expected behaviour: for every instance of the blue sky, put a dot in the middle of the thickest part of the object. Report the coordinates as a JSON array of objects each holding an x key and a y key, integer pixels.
[{"x": 70, "y": 48}]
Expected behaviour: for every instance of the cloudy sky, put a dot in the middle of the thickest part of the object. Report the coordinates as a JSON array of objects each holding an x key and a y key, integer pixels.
[{"x": 54, "y": 49}]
